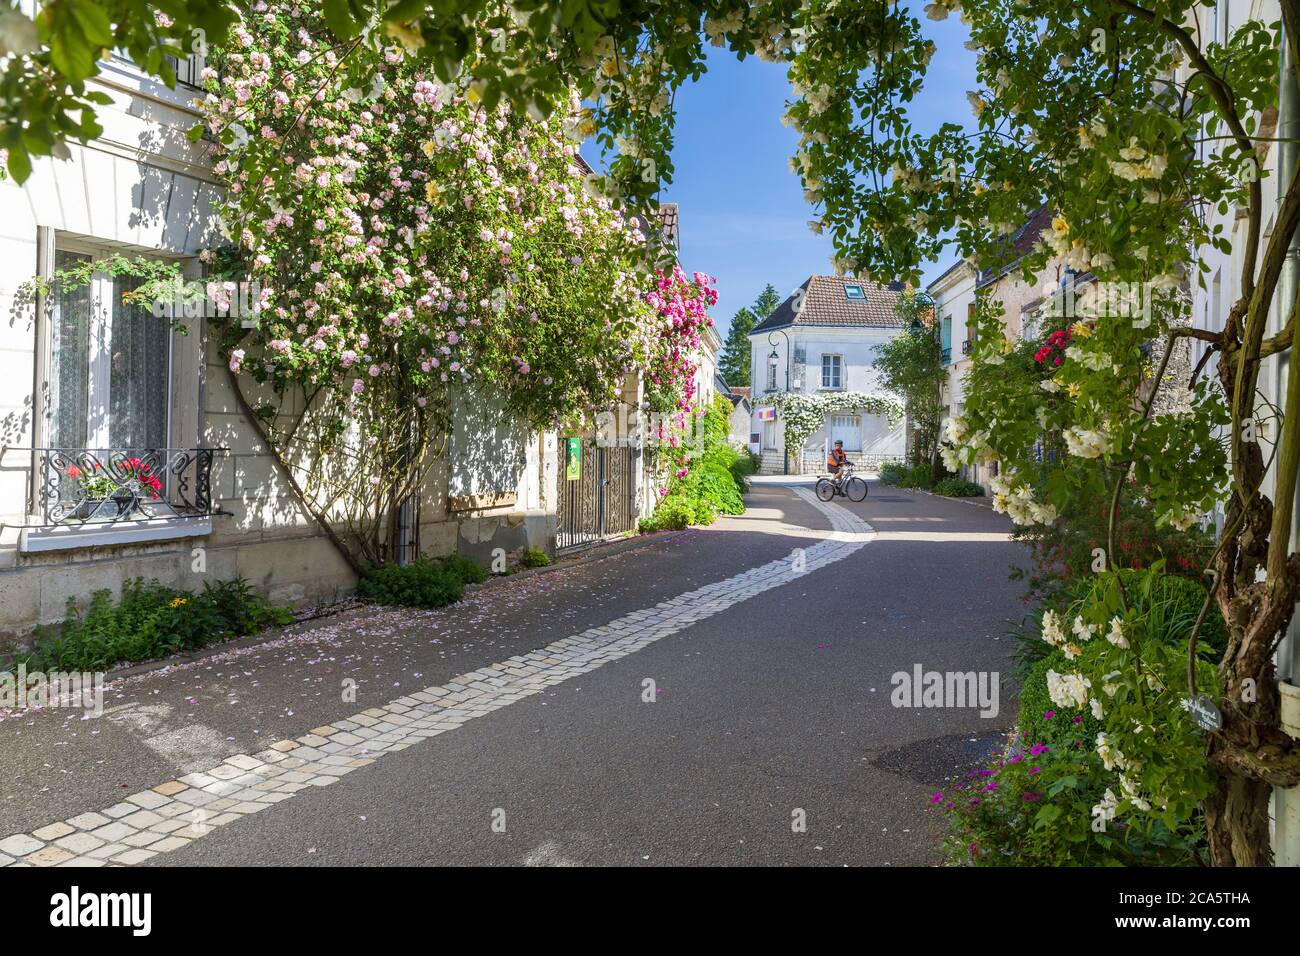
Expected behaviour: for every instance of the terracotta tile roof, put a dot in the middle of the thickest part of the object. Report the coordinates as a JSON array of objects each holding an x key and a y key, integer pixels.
[
  {"x": 825, "y": 302},
  {"x": 1021, "y": 243}
]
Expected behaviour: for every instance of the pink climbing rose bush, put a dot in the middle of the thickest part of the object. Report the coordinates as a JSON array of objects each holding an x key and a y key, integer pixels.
[
  {"x": 419, "y": 254},
  {"x": 680, "y": 306}
]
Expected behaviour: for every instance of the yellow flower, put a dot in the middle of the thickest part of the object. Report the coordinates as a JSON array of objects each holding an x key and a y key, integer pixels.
[
  {"x": 1072, "y": 390},
  {"x": 1060, "y": 226},
  {"x": 1081, "y": 330},
  {"x": 432, "y": 192},
  {"x": 428, "y": 147},
  {"x": 179, "y": 602}
]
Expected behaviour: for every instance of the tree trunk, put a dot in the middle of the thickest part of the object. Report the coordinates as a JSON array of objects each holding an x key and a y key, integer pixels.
[
  {"x": 1236, "y": 813},
  {"x": 1236, "y": 822}
]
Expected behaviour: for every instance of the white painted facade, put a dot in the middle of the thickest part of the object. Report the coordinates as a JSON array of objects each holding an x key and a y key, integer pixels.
[
  {"x": 822, "y": 359},
  {"x": 1211, "y": 302},
  {"x": 143, "y": 189},
  {"x": 954, "y": 301}
]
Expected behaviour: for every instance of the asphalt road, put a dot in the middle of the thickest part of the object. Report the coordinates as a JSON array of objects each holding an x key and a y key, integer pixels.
[{"x": 774, "y": 711}]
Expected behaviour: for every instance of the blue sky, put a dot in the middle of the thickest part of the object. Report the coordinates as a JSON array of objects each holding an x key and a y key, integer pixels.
[{"x": 743, "y": 215}]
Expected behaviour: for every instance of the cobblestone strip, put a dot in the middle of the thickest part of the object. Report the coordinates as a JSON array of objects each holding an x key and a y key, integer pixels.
[{"x": 172, "y": 814}]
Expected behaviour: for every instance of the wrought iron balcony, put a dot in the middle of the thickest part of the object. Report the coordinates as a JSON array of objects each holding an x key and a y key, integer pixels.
[
  {"x": 77, "y": 486},
  {"x": 968, "y": 346}
]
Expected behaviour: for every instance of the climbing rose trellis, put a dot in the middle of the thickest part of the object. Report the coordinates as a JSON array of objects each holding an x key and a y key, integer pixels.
[
  {"x": 804, "y": 414},
  {"x": 420, "y": 254}
]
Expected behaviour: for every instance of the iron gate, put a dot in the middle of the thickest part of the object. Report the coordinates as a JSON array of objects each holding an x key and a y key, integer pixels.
[{"x": 599, "y": 502}]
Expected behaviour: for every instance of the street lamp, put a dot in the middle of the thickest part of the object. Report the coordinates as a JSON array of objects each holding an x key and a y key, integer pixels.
[{"x": 772, "y": 362}]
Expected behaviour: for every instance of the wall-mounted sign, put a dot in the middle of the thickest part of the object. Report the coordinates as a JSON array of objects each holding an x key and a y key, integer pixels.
[
  {"x": 767, "y": 414},
  {"x": 573, "y": 459}
]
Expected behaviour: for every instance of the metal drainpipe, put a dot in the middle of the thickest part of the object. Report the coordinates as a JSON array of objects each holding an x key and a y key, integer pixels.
[{"x": 1288, "y": 128}]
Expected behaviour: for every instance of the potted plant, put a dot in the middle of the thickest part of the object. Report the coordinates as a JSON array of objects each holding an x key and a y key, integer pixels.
[{"x": 109, "y": 499}]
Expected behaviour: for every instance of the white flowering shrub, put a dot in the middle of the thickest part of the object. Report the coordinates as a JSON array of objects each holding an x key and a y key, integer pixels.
[
  {"x": 1126, "y": 655},
  {"x": 804, "y": 413}
]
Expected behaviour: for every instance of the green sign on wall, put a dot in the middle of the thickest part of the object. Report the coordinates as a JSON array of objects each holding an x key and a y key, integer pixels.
[{"x": 573, "y": 459}]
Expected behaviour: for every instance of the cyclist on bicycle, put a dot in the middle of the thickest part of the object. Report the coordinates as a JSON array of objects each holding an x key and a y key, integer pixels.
[{"x": 836, "y": 462}]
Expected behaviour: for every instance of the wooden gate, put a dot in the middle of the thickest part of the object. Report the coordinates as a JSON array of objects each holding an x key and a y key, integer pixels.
[{"x": 598, "y": 502}]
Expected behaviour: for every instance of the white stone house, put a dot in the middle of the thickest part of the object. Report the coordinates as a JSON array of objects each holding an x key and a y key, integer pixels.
[
  {"x": 1211, "y": 302},
  {"x": 824, "y": 339},
  {"x": 954, "y": 307},
  {"x": 83, "y": 379}
]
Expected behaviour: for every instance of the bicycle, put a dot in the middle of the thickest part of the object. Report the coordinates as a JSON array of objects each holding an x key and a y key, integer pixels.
[{"x": 848, "y": 486}]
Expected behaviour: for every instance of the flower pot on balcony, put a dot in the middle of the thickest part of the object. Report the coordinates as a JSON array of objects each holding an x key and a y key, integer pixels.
[{"x": 113, "y": 508}]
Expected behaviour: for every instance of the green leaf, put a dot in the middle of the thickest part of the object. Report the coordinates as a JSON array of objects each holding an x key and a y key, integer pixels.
[
  {"x": 1047, "y": 815},
  {"x": 20, "y": 164},
  {"x": 338, "y": 17}
]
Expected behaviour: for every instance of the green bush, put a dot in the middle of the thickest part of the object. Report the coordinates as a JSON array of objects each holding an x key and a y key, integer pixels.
[
  {"x": 716, "y": 485},
  {"x": 150, "y": 621},
  {"x": 1033, "y": 807},
  {"x": 918, "y": 476},
  {"x": 1174, "y": 599},
  {"x": 715, "y": 481},
  {"x": 996, "y": 829},
  {"x": 1064, "y": 551},
  {"x": 533, "y": 558},
  {"x": 676, "y": 511},
  {"x": 467, "y": 569},
  {"x": 892, "y": 472},
  {"x": 957, "y": 488},
  {"x": 742, "y": 464},
  {"x": 1061, "y": 728},
  {"x": 422, "y": 583}
]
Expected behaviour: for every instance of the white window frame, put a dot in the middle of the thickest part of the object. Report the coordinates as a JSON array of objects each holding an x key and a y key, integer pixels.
[
  {"x": 836, "y": 368},
  {"x": 72, "y": 537},
  {"x": 99, "y": 359}
]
